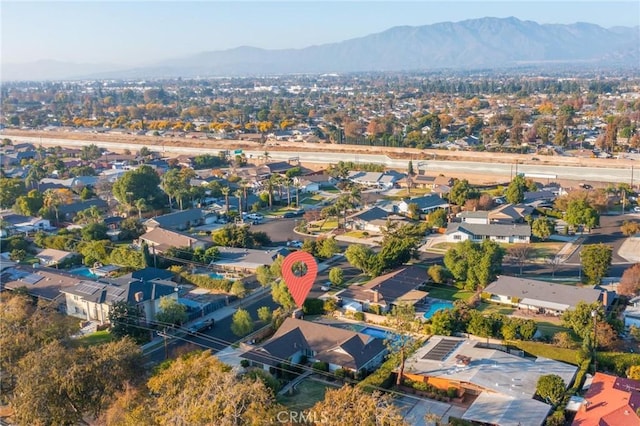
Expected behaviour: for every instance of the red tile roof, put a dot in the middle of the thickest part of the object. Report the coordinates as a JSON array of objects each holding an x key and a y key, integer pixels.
[{"x": 611, "y": 401}]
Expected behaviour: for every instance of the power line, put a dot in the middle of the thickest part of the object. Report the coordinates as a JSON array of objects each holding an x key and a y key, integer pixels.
[{"x": 284, "y": 362}]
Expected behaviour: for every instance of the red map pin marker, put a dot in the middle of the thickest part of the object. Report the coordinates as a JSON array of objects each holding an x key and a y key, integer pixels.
[{"x": 299, "y": 282}]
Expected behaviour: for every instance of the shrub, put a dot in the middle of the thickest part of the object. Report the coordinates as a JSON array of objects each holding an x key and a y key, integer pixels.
[
  {"x": 452, "y": 392},
  {"x": 320, "y": 366},
  {"x": 244, "y": 363},
  {"x": 313, "y": 307},
  {"x": 359, "y": 316}
]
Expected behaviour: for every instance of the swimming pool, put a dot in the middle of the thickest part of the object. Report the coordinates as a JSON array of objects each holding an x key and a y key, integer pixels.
[
  {"x": 84, "y": 271},
  {"x": 435, "y": 307},
  {"x": 376, "y": 332},
  {"x": 216, "y": 276}
]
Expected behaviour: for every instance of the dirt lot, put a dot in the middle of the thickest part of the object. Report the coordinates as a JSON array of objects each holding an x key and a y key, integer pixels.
[{"x": 408, "y": 153}]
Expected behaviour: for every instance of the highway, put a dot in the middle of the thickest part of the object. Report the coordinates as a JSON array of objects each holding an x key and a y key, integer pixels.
[{"x": 451, "y": 168}]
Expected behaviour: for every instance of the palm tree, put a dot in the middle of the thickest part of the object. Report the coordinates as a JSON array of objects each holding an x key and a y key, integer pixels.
[
  {"x": 270, "y": 185},
  {"x": 287, "y": 181},
  {"x": 245, "y": 186},
  {"x": 141, "y": 204},
  {"x": 238, "y": 193},
  {"x": 225, "y": 191},
  {"x": 297, "y": 185},
  {"x": 266, "y": 156},
  {"x": 52, "y": 201}
]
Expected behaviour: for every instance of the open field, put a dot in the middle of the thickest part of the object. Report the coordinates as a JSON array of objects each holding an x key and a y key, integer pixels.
[{"x": 201, "y": 141}]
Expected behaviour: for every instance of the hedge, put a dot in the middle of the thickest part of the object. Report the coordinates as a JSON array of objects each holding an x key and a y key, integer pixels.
[{"x": 617, "y": 362}]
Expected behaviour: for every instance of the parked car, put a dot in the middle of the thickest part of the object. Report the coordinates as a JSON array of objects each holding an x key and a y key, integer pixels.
[
  {"x": 636, "y": 209},
  {"x": 326, "y": 287},
  {"x": 200, "y": 326},
  {"x": 255, "y": 216},
  {"x": 294, "y": 243},
  {"x": 288, "y": 215}
]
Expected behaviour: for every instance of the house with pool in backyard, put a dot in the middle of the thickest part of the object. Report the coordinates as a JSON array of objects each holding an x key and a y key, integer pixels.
[
  {"x": 497, "y": 387},
  {"x": 340, "y": 348}
]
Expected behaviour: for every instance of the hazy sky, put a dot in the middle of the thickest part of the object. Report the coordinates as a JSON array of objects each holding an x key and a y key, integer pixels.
[{"x": 142, "y": 32}]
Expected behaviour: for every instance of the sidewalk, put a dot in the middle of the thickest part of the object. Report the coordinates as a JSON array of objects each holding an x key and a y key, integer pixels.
[
  {"x": 568, "y": 249},
  {"x": 630, "y": 249}
]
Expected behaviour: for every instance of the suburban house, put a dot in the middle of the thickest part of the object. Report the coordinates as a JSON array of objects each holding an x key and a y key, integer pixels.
[
  {"x": 67, "y": 212},
  {"x": 537, "y": 197},
  {"x": 92, "y": 300},
  {"x": 610, "y": 400},
  {"x": 504, "y": 214},
  {"x": 425, "y": 182},
  {"x": 279, "y": 167},
  {"x": 631, "y": 314},
  {"x": 159, "y": 240},
  {"x": 503, "y": 384},
  {"x": 540, "y": 296},
  {"x": 338, "y": 347},
  {"x": 52, "y": 257},
  {"x": 399, "y": 286},
  {"x": 426, "y": 204},
  {"x": 15, "y": 223},
  {"x": 515, "y": 233},
  {"x": 245, "y": 260},
  {"x": 380, "y": 180},
  {"x": 177, "y": 221},
  {"x": 373, "y": 220},
  {"x": 43, "y": 283}
]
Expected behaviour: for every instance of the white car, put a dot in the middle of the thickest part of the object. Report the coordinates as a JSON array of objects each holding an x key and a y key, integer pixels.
[
  {"x": 255, "y": 216},
  {"x": 636, "y": 209},
  {"x": 325, "y": 287}
]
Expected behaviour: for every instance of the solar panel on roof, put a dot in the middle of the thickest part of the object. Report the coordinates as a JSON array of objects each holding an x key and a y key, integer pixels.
[
  {"x": 31, "y": 278},
  {"x": 87, "y": 287},
  {"x": 441, "y": 350}
]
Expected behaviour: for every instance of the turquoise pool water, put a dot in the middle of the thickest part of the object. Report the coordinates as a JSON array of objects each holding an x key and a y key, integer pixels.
[
  {"x": 84, "y": 271},
  {"x": 378, "y": 333},
  {"x": 216, "y": 276},
  {"x": 435, "y": 307}
]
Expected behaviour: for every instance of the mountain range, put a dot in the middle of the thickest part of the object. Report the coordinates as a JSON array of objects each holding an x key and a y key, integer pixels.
[{"x": 483, "y": 43}]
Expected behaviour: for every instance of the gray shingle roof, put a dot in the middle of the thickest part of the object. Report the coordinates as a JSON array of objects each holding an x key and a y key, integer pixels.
[
  {"x": 109, "y": 293},
  {"x": 330, "y": 344},
  {"x": 542, "y": 291},
  {"x": 176, "y": 219},
  {"x": 493, "y": 230}
]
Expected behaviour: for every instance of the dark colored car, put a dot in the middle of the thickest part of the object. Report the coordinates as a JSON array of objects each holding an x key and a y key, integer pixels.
[{"x": 289, "y": 215}]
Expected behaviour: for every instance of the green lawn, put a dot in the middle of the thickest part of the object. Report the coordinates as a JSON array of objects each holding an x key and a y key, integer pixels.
[
  {"x": 549, "y": 329},
  {"x": 490, "y": 308},
  {"x": 546, "y": 249},
  {"x": 357, "y": 234},
  {"x": 548, "y": 351},
  {"x": 319, "y": 227},
  {"x": 448, "y": 293},
  {"x": 305, "y": 395},
  {"x": 443, "y": 246},
  {"x": 96, "y": 338}
]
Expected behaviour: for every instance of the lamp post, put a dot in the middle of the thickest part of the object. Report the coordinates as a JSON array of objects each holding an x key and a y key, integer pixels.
[{"x": 594, "y": 315}]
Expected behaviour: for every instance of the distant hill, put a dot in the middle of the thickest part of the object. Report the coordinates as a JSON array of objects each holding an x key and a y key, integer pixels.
[{"x": 471, "y": 44}]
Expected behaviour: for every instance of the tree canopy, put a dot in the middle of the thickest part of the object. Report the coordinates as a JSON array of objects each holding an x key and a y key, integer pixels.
[
  {"x": 139, "y": 183},
  {"x": 596, "y": 260},
  {"x": 551, "y": 387},
  {"x": 475, "y": 264}
]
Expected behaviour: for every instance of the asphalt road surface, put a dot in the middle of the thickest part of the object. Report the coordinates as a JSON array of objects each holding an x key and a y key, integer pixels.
[{"x": 216, "y": 339}]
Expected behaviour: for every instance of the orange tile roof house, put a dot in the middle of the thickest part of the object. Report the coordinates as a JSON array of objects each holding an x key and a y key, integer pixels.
[{"x": 610, "y": 401}]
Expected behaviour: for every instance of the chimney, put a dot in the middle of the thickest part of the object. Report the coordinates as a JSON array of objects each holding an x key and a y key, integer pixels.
[
  {"x": 138, "y": 296},
  {"x": 376, "y": 296}
]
